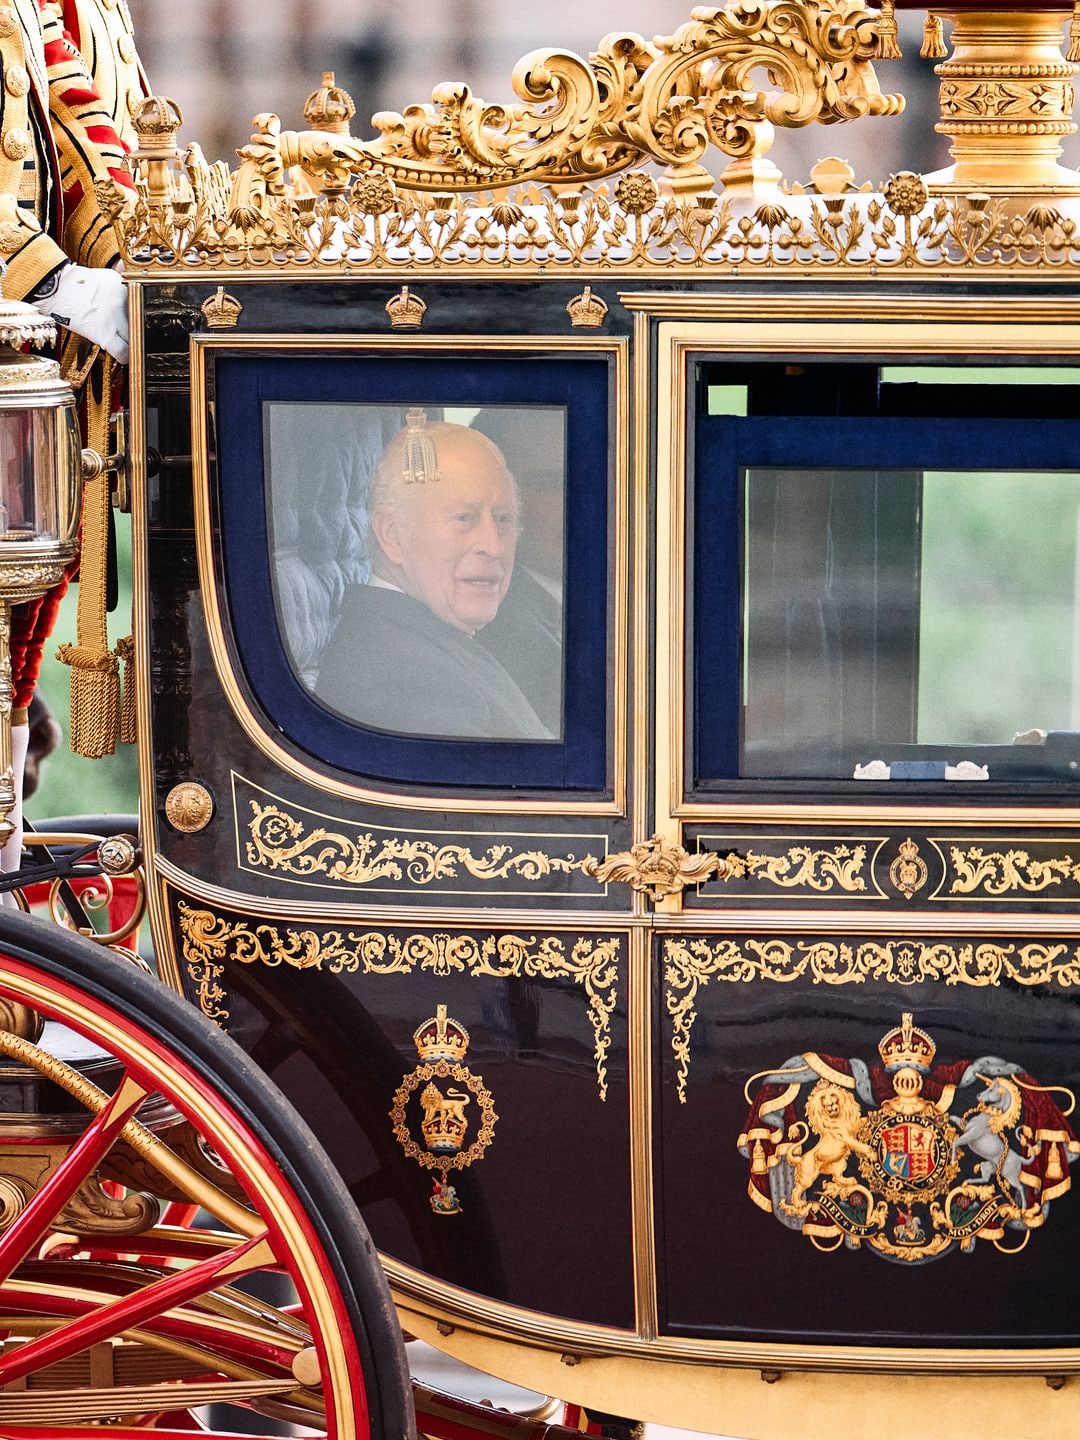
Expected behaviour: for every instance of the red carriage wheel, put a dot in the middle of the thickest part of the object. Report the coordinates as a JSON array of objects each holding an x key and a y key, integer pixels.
[{"x": 109, "y": 1315}]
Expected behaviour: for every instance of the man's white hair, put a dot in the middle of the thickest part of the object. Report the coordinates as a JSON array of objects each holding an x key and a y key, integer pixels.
[{"x": 390, "y": 491}]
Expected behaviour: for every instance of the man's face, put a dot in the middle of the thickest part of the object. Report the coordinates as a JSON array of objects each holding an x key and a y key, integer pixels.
[{"x": 451, "y": 543}]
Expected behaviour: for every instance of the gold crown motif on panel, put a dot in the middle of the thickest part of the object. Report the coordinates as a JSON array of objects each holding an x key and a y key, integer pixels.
[
  {"x": 587, "y": 311},
  {"x": 221, "y": 311},
  {"x": 441, "y": 1038},
  {"x": 406, "y": 310}
]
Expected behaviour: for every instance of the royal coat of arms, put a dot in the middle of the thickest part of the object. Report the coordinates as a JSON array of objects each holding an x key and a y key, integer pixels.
[
  {"x": 908, "y": 1158},
  {"x": 445, "y": 1102}
]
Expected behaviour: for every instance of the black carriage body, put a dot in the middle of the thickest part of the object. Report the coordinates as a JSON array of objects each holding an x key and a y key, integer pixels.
[{"x": 626, "y": 1022}]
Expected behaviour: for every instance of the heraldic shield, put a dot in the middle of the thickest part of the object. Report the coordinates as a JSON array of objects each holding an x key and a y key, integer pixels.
[{"x": 908, "y": 1158}]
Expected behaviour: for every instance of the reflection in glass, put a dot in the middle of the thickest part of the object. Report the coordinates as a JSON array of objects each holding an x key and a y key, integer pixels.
[
  {"x": 906, "y": 615},
  {"x": 417, "y": 555}
]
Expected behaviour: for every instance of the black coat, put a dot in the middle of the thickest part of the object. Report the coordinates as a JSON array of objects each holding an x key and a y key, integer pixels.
[{"x": 393, "y": 665}]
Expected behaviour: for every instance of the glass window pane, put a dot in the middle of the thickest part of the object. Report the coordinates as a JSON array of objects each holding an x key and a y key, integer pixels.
[
  {"x": 915, "y": 617},
  {"x": 419, "y": 563}
]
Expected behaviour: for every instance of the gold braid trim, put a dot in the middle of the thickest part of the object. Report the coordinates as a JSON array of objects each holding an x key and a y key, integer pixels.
[
  {"x": 95, "y": 683},
  {"x": 125, "y": 650}
]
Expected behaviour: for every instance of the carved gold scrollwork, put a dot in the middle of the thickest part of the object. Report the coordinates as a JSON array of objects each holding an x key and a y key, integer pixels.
[
  {"x": 690, "y": 964},
  {"x": 322, "y": 196},
  {"x": 666, "y": 102},
  {"x": 657, "y": 868},
  {"x": 280, "y": 842},
  {"x": 1000, "y": 872},
  {"x": 804, "y": 867},
  {"x": 211, "y": 941}
]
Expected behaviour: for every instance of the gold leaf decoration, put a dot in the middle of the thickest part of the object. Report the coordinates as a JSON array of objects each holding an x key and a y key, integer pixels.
[
  {"x": 1000, "y": 872},
  {"x": 282, "y": 843},
  {"x": 657, "y": 868},
  {"x": 631, "y": 104},
  {"x": 804, "y": 867},
  {"x": 690, "y": 964},
  {"x": 210, "y": 942}
]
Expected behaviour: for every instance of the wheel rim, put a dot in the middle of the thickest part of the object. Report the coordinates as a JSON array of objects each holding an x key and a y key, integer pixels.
[{"x": 166, "y": 1304}]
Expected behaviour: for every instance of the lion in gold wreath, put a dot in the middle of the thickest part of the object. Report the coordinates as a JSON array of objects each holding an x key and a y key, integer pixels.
[{"x": 833, "y": 1114}]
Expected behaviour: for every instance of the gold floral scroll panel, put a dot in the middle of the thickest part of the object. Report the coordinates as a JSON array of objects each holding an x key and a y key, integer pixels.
[
  {"x": 211, "y": 942},
  {"x": 691, "y": 963},
  {"x": 277, "y": 837}
]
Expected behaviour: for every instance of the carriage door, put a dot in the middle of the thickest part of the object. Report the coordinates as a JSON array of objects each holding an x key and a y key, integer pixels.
[{"x": 868, "y": 746}]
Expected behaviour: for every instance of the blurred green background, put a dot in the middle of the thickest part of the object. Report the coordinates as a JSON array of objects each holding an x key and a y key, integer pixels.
[{"x": 70, "y": 784}]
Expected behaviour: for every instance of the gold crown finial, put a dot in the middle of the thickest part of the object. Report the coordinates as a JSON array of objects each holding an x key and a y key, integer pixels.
[
  {"x": 330, "y": 108},
  {"x": 907, "y": 1046},
  {"x": 441, "y": 1038},
  {"x": 587, "y": 311},
  {"x": 406, "y": 310},
  {"x": 419, "y": 461},
  {"x": 221, "y": 311},
  {"x": 157, "y": 121}
]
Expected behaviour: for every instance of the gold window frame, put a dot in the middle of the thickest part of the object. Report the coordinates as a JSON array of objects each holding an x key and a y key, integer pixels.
[
  {"x": 897, "y": 328},
  {"x": 203, "y": 348}
]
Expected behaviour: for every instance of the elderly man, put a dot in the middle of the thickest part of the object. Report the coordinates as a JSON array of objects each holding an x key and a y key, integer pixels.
[{"x": 407, "y": 655}]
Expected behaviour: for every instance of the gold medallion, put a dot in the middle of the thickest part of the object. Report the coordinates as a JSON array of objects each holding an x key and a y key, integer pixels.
[
  {"x": 444, "y": 1108},
  {"x": 189, "y": 807}
]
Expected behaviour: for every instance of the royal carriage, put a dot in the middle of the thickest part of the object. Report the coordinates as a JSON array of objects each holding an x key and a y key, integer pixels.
[{"x": 600, "y": 612}]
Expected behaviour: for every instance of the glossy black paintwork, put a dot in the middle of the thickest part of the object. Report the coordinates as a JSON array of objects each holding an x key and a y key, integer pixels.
[
  {"x": 729, "y": 1270},
  {"x": 545, "y": 1217}
]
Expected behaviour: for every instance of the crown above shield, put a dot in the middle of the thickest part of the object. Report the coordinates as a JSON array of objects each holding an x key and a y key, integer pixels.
[{"x": 907, "y": 1045}]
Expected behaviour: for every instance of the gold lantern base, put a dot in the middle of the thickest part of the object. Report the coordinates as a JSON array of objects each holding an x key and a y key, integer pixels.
[
  {"x": 1006, "y": 98},
  {"x": 29, "y": 564}
]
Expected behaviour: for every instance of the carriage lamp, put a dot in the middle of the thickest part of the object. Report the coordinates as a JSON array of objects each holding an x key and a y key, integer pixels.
[{"x": 40, "y": 477}]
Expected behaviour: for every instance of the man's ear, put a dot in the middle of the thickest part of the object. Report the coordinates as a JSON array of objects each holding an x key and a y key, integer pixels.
[{"x": 386, "y": 526}]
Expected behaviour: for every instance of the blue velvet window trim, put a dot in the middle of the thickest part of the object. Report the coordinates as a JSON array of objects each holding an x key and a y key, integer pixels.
[
  {"x": 583, "y": 385},
  {"x": 725, "y": 445}
]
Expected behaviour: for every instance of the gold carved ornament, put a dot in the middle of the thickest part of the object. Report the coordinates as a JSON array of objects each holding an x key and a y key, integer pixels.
[
  {"x": 280, "y": 842},
  {"x": 441, "y": 1044},
  {"x": 927, "y": 1180},
  {"x": 908, "y": 872},
  {"x": 210, "y": 941},
  {"x": 323, "y": 197},
  {"x": 804, "y": 867},
  {"x": 690, "y": 964},
  {"x": 631, "y": 101},
  {"x": 997, "y": 872},
  {"x": 657, "y": 868}
]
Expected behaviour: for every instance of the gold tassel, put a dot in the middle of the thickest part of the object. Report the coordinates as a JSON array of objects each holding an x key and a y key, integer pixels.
[
  {"x": 1053, "y": 1164},
  {"x": 887, "y": 33},
  {"x": 758, "y": 1165},
  {"x": 125, "y": 650},
  {"x": 933, "y": 39},
  {"x": 95, "y": 681},
  {"x": 1073, "y": 52},
  {"x": 95, "y": 700}
]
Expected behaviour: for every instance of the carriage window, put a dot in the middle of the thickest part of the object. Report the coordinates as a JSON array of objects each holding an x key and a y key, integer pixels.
[
  {"x": 417, "y": 554},
  {"x": 418, "y": 571},
  {"x": 907, "y": 577}
]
